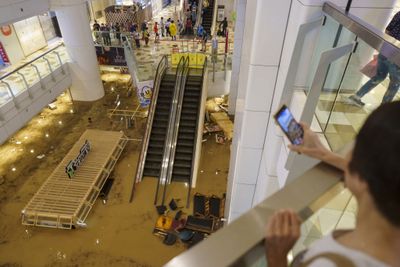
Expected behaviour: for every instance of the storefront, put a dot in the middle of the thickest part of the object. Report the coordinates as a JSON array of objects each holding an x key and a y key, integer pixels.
[{"x": 22, "y": 38}]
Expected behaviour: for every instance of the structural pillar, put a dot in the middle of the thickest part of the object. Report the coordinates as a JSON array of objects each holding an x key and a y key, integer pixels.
[{"x": 75, "y": 29}]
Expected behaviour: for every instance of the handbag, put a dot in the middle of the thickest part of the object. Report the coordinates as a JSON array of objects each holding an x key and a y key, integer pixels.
[{"x": 370, "y": 69}]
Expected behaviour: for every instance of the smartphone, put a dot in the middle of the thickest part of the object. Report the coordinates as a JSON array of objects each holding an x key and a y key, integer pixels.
[{"x": 289, "y": 125}]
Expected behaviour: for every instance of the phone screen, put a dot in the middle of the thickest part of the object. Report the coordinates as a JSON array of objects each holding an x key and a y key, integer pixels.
[{"x": 289, "y": 125}]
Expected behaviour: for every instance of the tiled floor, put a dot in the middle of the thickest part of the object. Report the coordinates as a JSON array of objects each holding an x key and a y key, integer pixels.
[{"x": 148, "y": 57}]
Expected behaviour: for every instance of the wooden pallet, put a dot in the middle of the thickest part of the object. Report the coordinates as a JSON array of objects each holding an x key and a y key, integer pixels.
[{"x": 62, "y": 202}]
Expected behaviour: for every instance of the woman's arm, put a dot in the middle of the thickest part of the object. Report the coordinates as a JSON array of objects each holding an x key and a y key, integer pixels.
[{"x": 313, "y": 148}]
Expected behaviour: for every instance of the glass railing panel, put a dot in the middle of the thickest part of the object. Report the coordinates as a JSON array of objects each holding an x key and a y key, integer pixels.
[
  {"x": 337, "y": 213},
  {"x": 16, "y": 83},
  {"x": 30, "y": 75},
  {"x": 54, "y": 61},
  {"x": 62, "y": 52},
  {"x": 355, "y": 81},
  {"x": 5, "y": 95},
  {"x": 43, "y": 67}
]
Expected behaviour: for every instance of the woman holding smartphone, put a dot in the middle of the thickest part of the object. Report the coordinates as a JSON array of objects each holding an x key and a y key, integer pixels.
[{"x": 372, "y": 174}]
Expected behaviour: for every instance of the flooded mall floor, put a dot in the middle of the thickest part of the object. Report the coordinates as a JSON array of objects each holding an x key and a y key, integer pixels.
[{"x": 118, "y": 233}]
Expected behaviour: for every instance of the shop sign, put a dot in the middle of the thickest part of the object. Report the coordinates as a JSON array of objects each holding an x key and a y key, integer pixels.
[
  {"x": 6, "y": 30},
  {"x": 112, "y": 56},
  {"x": 3, "y": 54},
  {"x": 144, "y": 92},
  {"x": 73, "y": 165}
]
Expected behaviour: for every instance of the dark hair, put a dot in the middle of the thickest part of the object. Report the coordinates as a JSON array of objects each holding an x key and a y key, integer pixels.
[{"x": 376, "y": 159}]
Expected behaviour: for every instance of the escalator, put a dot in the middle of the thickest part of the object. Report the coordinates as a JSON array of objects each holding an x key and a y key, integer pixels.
[
  {"x": 188, "y": 125},
  {"x": 159, "y": 127},
  {"x": 208, "y": 17}
]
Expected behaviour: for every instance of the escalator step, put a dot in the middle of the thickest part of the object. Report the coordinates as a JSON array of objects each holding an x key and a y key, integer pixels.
[
  {"x": 181, "y": 171},
  {"x": 185, "y": 136},
  {"x": 153, "y": 158},
  {"x": 185, "y": 143},
  {"x": 186, "y": 123},
  {"x": 183, "y": 163},
  {"x": 184, "y": 150},
  {"x": 151, "y": 172},
  {"x": 186, "y": 130},
  {"x": 181, "y": 178},
  {"x": 180, "y": 156},
  {"x": 152, "y": 165}
]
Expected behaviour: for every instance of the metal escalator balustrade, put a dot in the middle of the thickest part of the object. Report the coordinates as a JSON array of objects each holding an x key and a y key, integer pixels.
[
  {"x": 169, "y": 144},
  {"x": 208, "y": 15},
  {"x": 160, "y": 72},
  {"x": 159, "y": 127}
]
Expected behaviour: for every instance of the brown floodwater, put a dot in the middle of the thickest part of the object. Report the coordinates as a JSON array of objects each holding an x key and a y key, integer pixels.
[{"x": 118, "y": 233}]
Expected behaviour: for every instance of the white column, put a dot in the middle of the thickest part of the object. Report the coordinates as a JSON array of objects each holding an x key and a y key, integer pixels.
[
  {"x": 237, "y": 54},
  {"x": 74, "y": 24}
]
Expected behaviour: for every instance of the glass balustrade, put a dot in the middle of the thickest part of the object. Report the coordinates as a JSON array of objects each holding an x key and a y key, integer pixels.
[{"x": 26, "y": 76}]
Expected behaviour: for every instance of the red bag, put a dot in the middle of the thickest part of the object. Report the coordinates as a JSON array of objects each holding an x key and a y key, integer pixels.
[{"x": 371, "y": 68}]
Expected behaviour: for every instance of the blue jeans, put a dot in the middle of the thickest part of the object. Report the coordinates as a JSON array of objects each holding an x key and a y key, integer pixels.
[{"x": 384, "y": 68}]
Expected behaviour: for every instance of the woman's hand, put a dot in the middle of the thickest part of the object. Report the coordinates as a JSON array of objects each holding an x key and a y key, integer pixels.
[
  {"x": 311, "y": 145},
  {"x": 313, "y": 148},
  {"x": 283, "y": 230}
]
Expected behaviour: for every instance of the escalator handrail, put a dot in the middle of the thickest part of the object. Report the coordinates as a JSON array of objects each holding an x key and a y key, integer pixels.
[
  {"x": 199, "y": 17},
  {"x": 161, "y": 68},
  {"x": 214, "y": 19},
  {"x": 175, "y": 132},
  {"x": 168, "y": 139},
  {"x": 196, "y": 133}
]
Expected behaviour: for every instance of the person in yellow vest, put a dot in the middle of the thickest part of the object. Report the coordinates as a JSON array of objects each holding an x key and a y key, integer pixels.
[{"x": 172, "y": 30}]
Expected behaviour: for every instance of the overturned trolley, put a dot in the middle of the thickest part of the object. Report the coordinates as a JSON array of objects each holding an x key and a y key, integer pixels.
[{"x": 65, "y": 199}]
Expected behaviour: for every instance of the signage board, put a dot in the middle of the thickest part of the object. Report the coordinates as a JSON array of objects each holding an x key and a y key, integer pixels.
[
  {"x": 110, "y": 55},
  {"x": 73, "y": 165}
]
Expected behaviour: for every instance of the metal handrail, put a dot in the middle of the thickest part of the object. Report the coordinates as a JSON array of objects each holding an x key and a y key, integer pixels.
[
  {"x": 185, "y": 70},
  {"x": 196, "y": 134},
  {"x": 161, "y": 68},
  {"x": 199, "y": 18},
  {"x": 169, "y": 134},
  {"x": 30, "y": 62},
  {"x": 214, "y": 22}
]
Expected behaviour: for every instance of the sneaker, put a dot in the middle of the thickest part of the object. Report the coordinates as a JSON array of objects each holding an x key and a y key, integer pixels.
[{"x": 354, "y": 100}]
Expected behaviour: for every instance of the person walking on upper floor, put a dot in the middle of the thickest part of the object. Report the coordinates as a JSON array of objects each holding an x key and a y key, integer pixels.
[
  {"x": 189, "y": 26},
  {"x": 118, "y": 32},
  {"x": 146, "y": 35},
  {"x": 224, "y": 25},
  {"x": 384, "y": 68},
  {"x": 136, "y": 35},
  {"x": 162, "y": 26},
  {"x": 156, "y": 34},
  {"x": 167, "y": 24},
  {"x": 172, "y": 30}
]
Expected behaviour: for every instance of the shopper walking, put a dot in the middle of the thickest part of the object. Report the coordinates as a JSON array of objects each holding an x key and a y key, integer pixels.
[
  {"x": 224, "y": 25},
  {"x": 384, "y": 68},
  {"x": 162, "y": 26},
  {"x": 214, "y": 49},
  {"x": 146, "y": 35},
  {"x": 118, "y": 32},
  {"x": 189, "y": 27},
  {"x": 156, "y": 34},
  {"x": 167, "y": 24},
  {"x": 137, "y": 39},
  {"x": 172, "y": 30}
]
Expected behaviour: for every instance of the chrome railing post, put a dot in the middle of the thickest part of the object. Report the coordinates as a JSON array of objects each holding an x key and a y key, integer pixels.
[
  {"x": 61, "y": 63},
  {"x": 40, "y": 76},
  {"x": 26, "y": 84},
  {"x": 51, "y": 69},
  {"x": 12, "y": 94}
]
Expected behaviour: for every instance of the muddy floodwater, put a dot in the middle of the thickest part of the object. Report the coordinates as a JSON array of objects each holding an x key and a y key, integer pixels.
[{"x": 118, "y": 233}]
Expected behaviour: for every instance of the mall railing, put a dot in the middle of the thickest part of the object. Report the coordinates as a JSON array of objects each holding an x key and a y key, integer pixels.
[
  {"x": 163, "y": 179},
  {"x": 24, "y": 77},
  {"x": 241, "y": 242},
  {"x": 335, "y": 66},
  {"x": 161, "y": 69}
]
